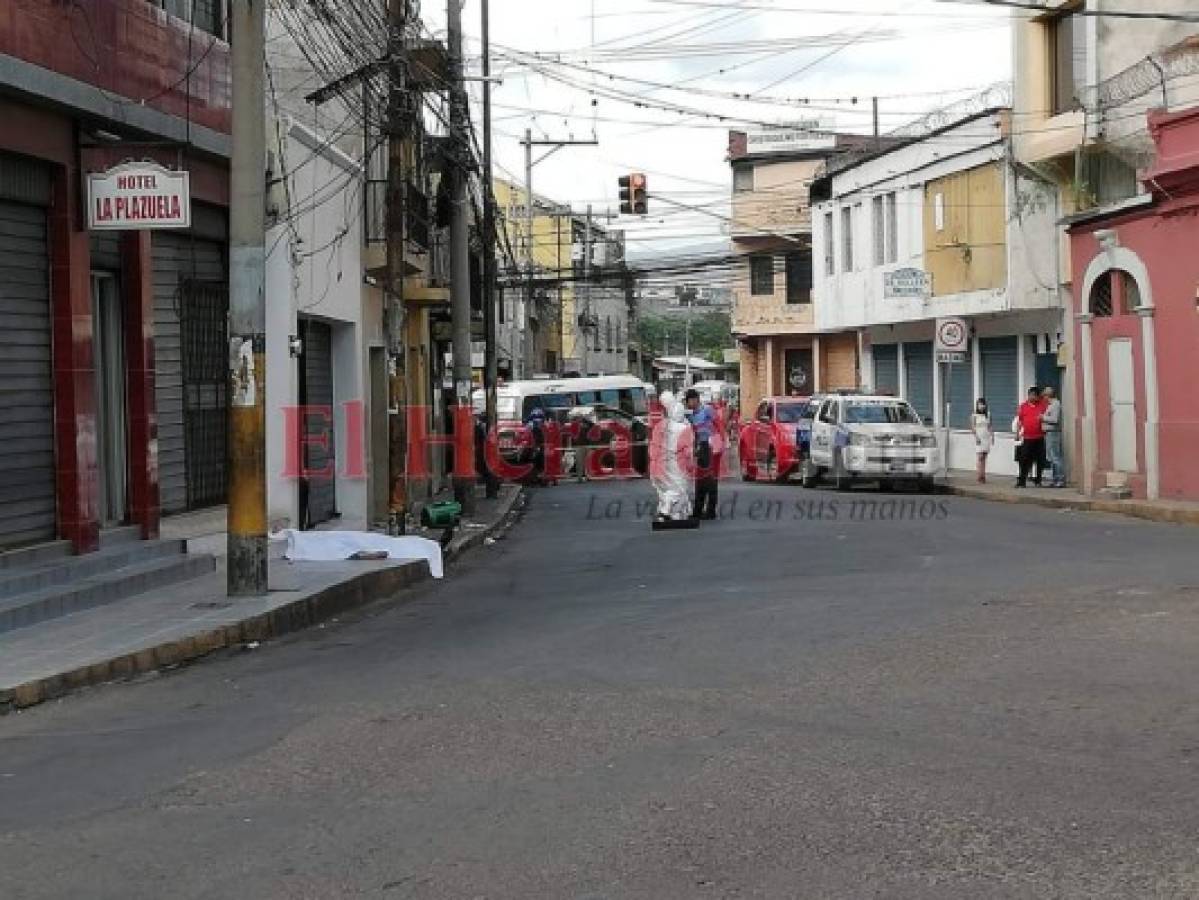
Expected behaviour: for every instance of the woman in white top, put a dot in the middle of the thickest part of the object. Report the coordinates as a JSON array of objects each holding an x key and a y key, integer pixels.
[{"x": 984, "y": 436}]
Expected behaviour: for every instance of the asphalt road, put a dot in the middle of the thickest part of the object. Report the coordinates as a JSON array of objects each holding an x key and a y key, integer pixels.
[{"x": 948, "y": 700}]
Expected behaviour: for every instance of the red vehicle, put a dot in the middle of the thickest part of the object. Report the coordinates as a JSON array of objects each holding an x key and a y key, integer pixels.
[{"x": 771, "y": 443}]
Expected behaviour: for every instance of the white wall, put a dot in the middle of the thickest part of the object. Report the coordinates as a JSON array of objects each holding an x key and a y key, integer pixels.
[
  {"x": 283, "y": 505},
  {"x": 314, "y": 268},
  {"x": 856, "y": 299}
]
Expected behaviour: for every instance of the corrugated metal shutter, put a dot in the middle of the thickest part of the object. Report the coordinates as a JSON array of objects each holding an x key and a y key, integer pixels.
[
  {"x": 918, "y": 360},
  {"x": 1001, "y": 379},
  {"x": 27, "y": 490},
  {"x": 106, "y": 251},
  {"x": 24, "y": 181},
  {"x": 320, "y": 497},
  {"x": 886, "y": 368},
  {"x": 959, "y": 386},
  {"x": 177, "y": 258}
]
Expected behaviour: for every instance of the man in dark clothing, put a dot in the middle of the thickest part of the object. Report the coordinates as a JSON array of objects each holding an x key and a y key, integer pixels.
[
  {"x": 536, "y": 426},
  {"x": 707, "y": 461},
  {"x": 1032, "y": 430}
]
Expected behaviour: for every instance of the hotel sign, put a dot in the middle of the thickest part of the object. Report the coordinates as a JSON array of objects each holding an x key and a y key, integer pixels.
[
  {"x": 138, "y": 196},
  {"x": 815, "y": 134},
  {"x": 907, "y": 283}
]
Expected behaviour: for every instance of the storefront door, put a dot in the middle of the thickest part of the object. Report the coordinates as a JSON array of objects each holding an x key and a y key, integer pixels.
[
  {"x": 1122, "y": 390},
  {"x": 112, "y": 462}
]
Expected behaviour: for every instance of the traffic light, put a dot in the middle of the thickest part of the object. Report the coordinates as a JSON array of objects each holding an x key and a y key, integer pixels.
[{"x": 634, "y": 195}]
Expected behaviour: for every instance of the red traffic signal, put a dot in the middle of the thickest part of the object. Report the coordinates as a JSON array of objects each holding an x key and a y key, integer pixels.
[{"x": 634, "y": 194}]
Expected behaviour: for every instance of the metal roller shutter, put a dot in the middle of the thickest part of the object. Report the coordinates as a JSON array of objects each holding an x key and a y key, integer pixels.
[
  {"x": 106, "y": 251},
  {"x": 180, "y": 262},
  {"x": 918, "y": 360},
  {"x": 959, "y": 388},
  {"x": 1001, "y": 379},
  {"x": 319, "y": 499},
  {"x": 886, "y": 369},
  {"x": 27, "y": 490}
]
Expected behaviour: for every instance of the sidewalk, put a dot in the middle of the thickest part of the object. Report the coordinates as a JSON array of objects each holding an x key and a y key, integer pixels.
[
  {"x": 1003, "y": 490},
  {"x": 163, "y": 628}
]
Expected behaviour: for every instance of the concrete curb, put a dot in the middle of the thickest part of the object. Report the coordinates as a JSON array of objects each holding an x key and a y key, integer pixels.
[
  {"x": 304, "y": 613},
  {"x": 1135, "y": 508}
]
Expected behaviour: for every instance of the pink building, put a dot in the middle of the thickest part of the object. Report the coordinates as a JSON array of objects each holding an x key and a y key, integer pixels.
[{"x": 1136, "y": 265}]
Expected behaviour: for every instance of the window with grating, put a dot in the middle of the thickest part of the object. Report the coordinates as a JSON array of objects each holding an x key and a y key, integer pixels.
[{"x": 1100, "y": 302}]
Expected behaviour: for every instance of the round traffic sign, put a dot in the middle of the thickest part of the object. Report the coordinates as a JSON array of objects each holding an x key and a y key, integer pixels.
[{"x": 951, "y": 335}]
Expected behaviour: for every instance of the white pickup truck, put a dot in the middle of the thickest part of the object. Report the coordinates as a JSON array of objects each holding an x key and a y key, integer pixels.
[{"x": 870, "y": 438}]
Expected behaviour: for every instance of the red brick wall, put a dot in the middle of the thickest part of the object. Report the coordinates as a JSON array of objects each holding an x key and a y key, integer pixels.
[{"x": 126, "y": 48}]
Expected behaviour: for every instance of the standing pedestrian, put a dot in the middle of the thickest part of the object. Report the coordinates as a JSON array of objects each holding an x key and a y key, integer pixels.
[
  {"x": 1032, "y": 431},
  {"x": 1051, "y": 421},
  {"x": 707, "y": 441},
  {"x": 536, "y": 426},
  {"x": 984, "y": 436}
]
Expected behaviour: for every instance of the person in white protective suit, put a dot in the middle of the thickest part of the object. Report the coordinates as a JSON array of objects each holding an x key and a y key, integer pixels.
[{"x": 670, "y": 441}]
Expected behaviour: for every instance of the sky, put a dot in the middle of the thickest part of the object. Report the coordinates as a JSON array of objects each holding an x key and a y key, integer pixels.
[{"x": 561, "y": 61}]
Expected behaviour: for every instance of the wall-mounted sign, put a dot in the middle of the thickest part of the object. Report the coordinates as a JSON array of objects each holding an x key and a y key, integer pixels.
[
  {"x": 907, "y": 283},
  {"x": 816, "y": 134},
  {"x": 138, "y": 196}
]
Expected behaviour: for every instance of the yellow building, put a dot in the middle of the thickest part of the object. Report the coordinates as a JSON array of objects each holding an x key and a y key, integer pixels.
[{"x": 542, "y": 335}]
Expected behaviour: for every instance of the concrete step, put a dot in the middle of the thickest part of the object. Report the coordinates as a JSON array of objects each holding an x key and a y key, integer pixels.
[
  {"x": 120, "y": 534},
  {"x": 58, "y": 571},
  {"x": 34, "y": 555},
  {"x": 100, "y": 588}
]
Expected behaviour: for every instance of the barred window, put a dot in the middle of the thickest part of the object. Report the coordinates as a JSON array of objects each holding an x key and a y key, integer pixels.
[{"x": 761, "y": 275}]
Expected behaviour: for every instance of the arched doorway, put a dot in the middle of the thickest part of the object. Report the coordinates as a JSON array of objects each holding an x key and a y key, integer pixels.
[{"x": 1119, "y": 378}]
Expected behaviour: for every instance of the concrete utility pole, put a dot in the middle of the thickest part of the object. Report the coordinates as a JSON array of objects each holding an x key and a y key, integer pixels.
[
  {"x": 397, "y": 124},
  {"x": 247, "y": 540},
  {"x": 580, "y": 331},
  {"x": 491, "y": 357},
  {"x": 530, "y": 347},
  {"x": 464, "y": 486}
]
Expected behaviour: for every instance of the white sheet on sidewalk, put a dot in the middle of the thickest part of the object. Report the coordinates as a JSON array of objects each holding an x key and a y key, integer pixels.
[{"x": 333, "y": 546}]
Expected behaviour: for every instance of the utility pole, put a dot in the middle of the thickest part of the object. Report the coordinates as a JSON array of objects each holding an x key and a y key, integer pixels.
[
  {"x": 581, "y": 331},
  {"x": 526, "y": 312},
  {"x": 555, "y": 145},
  {"x": 877, "y": 133},
  {"x": 464, "y": 485},
  {"x": 397, "y": 124},
  {"x": 247, "y": 544},
  {"x": 491, "y": 358}
]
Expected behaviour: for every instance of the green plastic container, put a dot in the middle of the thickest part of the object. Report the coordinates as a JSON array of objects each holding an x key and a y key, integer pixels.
[{"x": 441, "y": 515}]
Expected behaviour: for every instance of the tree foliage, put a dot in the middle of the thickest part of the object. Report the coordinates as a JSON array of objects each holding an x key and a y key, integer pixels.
[{"x": 711, "y": 334}]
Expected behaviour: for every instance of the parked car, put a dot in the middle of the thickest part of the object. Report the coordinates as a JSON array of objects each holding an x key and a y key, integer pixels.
[
  {"x": 770, "y": 444},
  {"x": 870, "y": 438}
]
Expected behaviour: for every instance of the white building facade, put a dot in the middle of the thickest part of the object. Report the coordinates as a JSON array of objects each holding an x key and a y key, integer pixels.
[
  {"x": 324, "y": 343},
  {"x": 944, "y": 225}
]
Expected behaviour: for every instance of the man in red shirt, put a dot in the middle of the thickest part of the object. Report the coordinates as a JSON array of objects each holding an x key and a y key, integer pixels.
[{"x": 1032, "y": 434}]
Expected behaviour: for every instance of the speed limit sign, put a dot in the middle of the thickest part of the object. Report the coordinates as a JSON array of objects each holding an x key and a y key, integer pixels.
[{"x": 953, "y": 339}]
